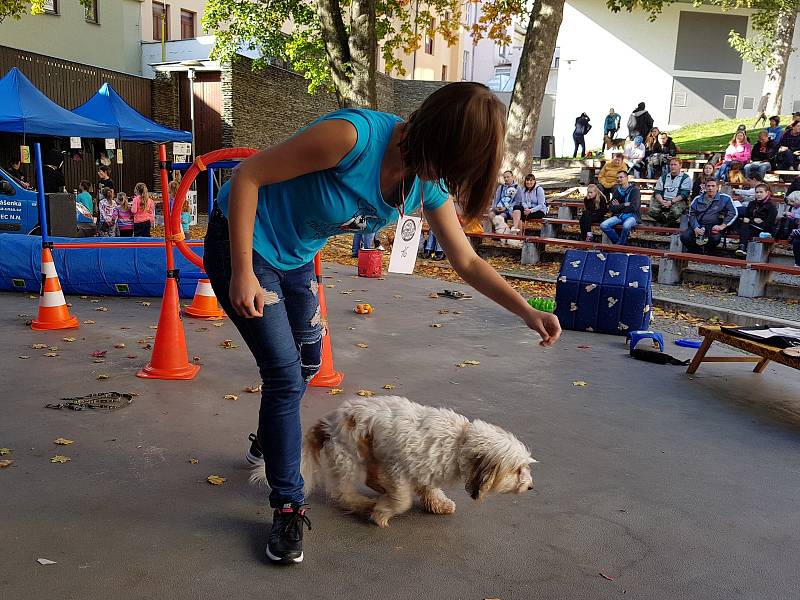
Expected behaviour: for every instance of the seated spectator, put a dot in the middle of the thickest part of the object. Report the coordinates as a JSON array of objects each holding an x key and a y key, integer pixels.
[
  {"x": 788, "y": 148},
  {"x": 699, "y": 185},
  {"x": 791, "y": 220},
  {"x": 761, "y": 157},
  {"x": 531, "y": 203},
  {"x": 651, "y": 139},
  {"x": 15, "y": 170},
  {"x": 608, "y": 173},
  {"x": 505, "y": 197},
  {"x": 634, "y": 156},
  {"x": 758, "y": 217},
  {"x": 743, "y": 129},
  {"x": 432, "y": 248},
  {"x": 736, "y": 174},
  {"x": 774, "y": 131},
  {"x": 795, "y": 239},
  {"x": 625, "y": 206},
  {"x": 709, "y": 215},
  {"x": 663, "y": 150},
  {"x": 738, "y": 150},
  {"x": 595, "y": 207},
  {"x": 670, "y": 197}
]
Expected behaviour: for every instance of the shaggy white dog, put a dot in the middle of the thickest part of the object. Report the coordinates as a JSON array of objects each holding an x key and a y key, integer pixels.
[
  {"x": 400, "y": 448},
  {"x": 500, "y": 226}
]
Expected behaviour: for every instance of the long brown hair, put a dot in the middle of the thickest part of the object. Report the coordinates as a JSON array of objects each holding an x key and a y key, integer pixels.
[
  {"x": 457, "y": 136},
  {"x": 141, "y": 191}
]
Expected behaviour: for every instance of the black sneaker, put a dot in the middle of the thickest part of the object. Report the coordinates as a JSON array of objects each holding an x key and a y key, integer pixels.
[
  {"x": 286, "y": 537},
  {"x": 438, "y": 256},
  {"x": 254, "y": 455}
]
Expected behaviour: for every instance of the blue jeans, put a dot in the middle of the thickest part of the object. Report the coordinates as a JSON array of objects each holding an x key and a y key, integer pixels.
[
  {"x": 432, "y": 243},
  {"x": 760, "y": 167},
  {"x": 722, "y": 172},
  {"x": 287, "y": 345},
  {"x": 627, "y": 225},
  {"x": 363, "y": 240}
]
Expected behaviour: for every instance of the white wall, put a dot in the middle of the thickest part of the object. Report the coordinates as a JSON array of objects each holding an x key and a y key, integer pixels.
[{"x": 195, "y": 49}]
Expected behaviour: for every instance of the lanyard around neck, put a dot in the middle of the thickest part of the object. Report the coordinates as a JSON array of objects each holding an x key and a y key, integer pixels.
[{"x": 401, "y": 209}]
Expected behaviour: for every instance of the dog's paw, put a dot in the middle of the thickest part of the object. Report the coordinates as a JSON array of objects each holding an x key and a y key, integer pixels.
[
  {"x": 444, "y": 506},
  {"x": 381, "y": 519}
]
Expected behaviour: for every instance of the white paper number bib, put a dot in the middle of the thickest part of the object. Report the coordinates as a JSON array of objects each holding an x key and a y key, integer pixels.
[{"x": 406, "y": 245}]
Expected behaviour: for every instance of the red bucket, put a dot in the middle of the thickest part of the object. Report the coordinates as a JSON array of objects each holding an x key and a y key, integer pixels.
[{"x": 369, "y": 263}]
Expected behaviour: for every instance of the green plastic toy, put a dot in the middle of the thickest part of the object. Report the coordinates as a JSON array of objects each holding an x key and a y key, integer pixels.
[{"x": 543, "y": 304}]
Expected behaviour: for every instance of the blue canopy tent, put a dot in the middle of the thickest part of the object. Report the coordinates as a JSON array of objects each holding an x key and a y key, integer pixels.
[
  {"x": 108, "y": 107},
  {"x": 26, "y": 110}
]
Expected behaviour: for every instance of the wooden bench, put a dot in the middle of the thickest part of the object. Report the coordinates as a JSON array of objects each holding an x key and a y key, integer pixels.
[{"x": 763, "y": 352}]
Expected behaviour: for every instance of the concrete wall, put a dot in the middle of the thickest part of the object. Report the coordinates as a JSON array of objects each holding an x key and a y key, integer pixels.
[{"x": 112, "y": 43}]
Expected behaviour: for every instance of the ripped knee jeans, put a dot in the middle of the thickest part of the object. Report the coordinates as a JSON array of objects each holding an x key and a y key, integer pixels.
[{"x": 287, "y": 346}]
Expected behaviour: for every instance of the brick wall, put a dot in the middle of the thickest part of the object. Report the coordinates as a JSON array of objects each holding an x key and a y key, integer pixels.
[{"x": 165, "y": 111}]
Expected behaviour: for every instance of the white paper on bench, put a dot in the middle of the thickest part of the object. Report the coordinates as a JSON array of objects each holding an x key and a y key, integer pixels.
[{"x": 766, "y": 333}]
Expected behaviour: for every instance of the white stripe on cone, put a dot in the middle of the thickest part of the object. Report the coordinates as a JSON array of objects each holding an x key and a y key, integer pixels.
[
  {"x": 49, "y": 269},
  {"x": 51, "y": 299},
  {"x": 204, "y": 289}
]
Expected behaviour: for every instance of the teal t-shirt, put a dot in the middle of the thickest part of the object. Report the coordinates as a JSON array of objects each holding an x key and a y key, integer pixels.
[
  {"x": 85, "y": 198},
  {"x": 186, "y": 220},
  {"x": 295, "y": 218}
]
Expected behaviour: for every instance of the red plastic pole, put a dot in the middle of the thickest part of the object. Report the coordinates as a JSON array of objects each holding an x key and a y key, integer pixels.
[{"x": 101, "y": 245}]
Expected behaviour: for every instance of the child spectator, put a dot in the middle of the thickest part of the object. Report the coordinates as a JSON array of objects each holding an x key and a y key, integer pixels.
[
  {"x": 143, "y": 211},
  {"x": 186, "y": 218},
  {"x": 738, "y": 150},
  {"x": 791, "y": 220},
  {"x": 761, "y": 157},
  {"x": 595, "y": 207},
  {"x": 85, "y": 212},
  {"x": 757, "y": 218},
  {"x": 788, "y": 148},
  {"x": 699, "y": 185},
  {"x": 625, "y": 206},
  {"x": 122, "y": 215},
  {"x": 532, "y": 203},
  {"x": 105, "y": 220}
]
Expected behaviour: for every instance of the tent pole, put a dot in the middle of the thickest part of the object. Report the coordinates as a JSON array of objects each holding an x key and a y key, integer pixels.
[{"x": 40, "y": 196}]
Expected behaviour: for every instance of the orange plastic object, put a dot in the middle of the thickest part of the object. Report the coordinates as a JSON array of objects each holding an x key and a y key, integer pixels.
[
  {"x": 205, "y": 302},
  {"x": 53, "y": 310}
]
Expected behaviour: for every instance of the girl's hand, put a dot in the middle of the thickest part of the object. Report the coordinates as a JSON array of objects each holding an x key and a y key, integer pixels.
[
  {"x": 546, "y": 325},
  {"x": 247, "y": 295}
]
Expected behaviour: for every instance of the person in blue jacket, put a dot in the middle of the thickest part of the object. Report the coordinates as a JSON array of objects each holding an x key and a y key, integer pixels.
[
  {"x": 353, "y": 170},
  {"x": 610, "y": 127}
]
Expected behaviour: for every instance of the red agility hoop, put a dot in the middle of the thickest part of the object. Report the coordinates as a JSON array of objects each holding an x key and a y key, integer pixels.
[{"x": 199, "y": 165}]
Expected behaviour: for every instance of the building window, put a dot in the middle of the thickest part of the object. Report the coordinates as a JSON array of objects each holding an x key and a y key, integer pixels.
[
  {"x": 465, "y": 62},
  {"x": 429, "y": 35},
  {"x": 748, "y": 103},
  {"x": 796, "y": 106},
  {"x": 187, "y": 25},
  {"x": 91, "y": 12},
  {"x": 501, "y": 82},
  {"x": 160, "y": 19},
  {"x": 444, "y": 72},
  {"x": 468, "y": 12},
  {"x": 729, "y": 102},
  {"x": 679, "y": 99},
  {"x": 51, "y": 7}
]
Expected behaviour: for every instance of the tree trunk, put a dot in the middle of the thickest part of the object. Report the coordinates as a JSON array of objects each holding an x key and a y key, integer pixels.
[
  {"x": 776, "y": 74},
  {"x": 534, "y": 69},
  {"x": 352, "y": 59}
]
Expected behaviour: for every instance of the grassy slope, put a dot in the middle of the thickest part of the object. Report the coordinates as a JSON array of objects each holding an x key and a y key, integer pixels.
[{"x": 713, "y": 135}]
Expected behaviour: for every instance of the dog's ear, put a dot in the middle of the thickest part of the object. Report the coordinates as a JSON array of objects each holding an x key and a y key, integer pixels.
[{"x": 482, "y": 478}]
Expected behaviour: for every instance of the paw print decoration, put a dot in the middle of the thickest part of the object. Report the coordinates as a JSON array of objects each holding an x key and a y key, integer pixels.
[
  {"x": 563, "y": 279},
  {"x": 645, "y": 268},
  {"x": 575, "y": 263},
  {"x": 573, "y": 307},
  {"x": 590, "y": 287},
  {"x": 611, "y": 301},
  {"x": 613, "y": 273},
  {"x": 633, "y": 284}
]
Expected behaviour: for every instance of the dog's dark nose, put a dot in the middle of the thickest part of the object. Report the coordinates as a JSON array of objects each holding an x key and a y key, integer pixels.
[{"x": 530, "y": 487}]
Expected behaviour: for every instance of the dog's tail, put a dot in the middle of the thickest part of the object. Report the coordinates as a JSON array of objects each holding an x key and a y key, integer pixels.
[{"x": 315, "y": 439}]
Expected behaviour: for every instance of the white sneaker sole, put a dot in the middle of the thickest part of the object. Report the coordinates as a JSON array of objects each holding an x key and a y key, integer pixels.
[
  {"x": 274, "y": 558},
  {"x": 253, "y": 459}
]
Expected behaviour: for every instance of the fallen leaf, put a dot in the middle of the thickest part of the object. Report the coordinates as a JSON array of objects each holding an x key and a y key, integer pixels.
[
  {"x": 443, "y": 311},
  {"x": 23, "y": 357},
  {"x": 457, "y": 312},
  {"x": 94, "y": 300},
  {"x": 144, "y": 303},
  {"x": 454, "y": 382},
  {"x": 68, "y": 339},
  {"x": 335, "y": 391},
  {"x": 63, "y": 441},
  {"x": 101, "y": 309},
  {"x": 84, "y": 297},
  {"x": 436, "y": 325},
  {"x": 365, "y": 393},
  {"x": 152, "y": 326},
  {"x": 228, "y": 344},
  {"x": 7, "y": 462},
  {"x": 215, "y": 480},
  {"x": 362, "y": 345},
  {"x": 39, "y": 346},
  {"x": 330, "y": 285},
  {"x": 389, "y": 386},
  {"x": 253, "y": 389},
  {"x": 32, "y": 297},
  {"x": 131, "y": 356},
  {"x": 346, "y": 292},
  {"x": 193, "y": 461},
  {"x": 230, "y": 397},
  {"x": 196, "y": 358},
  {"x": 472, "y": 362},
  {"x": 98, "y": 353},
  {"x": 119, "y": 345},
  {"x": 54, "y": 348},
  {"x": 147, "y": 347},
  {"x": 59, "y": 458},
  {"x": 579, "y": 383},
  {"x": 460, "y": 365},
  {"x": 218, "y": 324},
  {"x": 351, "y": 328},
  {"x": 102, "y": 376},
  {"x": 219, "y": 318},
  {"x": 88, "y": 322},
  {"x": 51, "y": 354},
  {"x": 5, "y": 451},
  {"x": 398, "y": 296},
  {"x": 584, "y": 347},
  {"x": 99, "y": 360},
  {"x": 201, "y": 329},
  {"x": 46, "y": 561},
  {"x": 433, "y": 295},
  {"x": 604, "y": 576}
]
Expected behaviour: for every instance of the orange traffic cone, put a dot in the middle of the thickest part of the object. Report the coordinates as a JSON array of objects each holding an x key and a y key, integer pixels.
[
  {"x": 53, "y": 311},
  {"x": 327, "y": 376},
  {"x": 204, "y": 303},
  {"x": 170, "y": 357}
]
